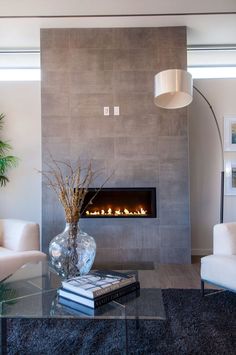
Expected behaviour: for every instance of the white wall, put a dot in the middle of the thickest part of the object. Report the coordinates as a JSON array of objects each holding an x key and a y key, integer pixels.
[
  {"x": 21, "y": 198},
  {"x": 205, "y": 29},
  {"x": 72, "y": 7},
  {"x": 205, "y": 161},
  {"x": 20, "y": 101}
]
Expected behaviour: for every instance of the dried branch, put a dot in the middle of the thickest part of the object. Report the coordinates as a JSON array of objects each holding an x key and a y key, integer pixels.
[
  {"x": 71, "y": 188},
  {"x": 98, "y": 190}
]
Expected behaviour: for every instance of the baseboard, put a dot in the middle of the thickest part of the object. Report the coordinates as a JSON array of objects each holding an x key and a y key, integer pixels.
[{"x": 202, "y": 252}]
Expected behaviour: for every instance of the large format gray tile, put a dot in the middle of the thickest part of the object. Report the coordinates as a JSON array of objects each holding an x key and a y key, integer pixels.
[
  {"x": 135, "y": 59},
  {"x": 146, "y": 125},
  {"x": 171, "y": 37},
  {"x": 173, "y": 213},
  {"x": 173, "y": 122},
  {"x": 111, "y": 255},
  {"x": 56, "y": 126},
  {"x": 84, "y": 70},
  {"x": 133, "y": 81},
  {"x": 55, "y": 82},
  {"x": 136, "y": 173},
  {"x": 55, "y": 38},
  {"x": 134, "y": 37},
  {"x": 87, "y": 59},
  {"x": 136, "y": 148},
  {"x": 174, "y": 182},
  {"x": 91, "y": 127},
  {"x": 55, "y": 104},
  {"x": 94, "y": 148},
  {"x": 91, "y": 38},
  {"x": 176, "y": 59},
  {"x": 175, "y": 255},
  {"x": 89, "y": 105},
  {"x": 135, "y": 104},
  {"x": 57, "y": 147},
  {"x": 55, "y": 59},
  {"x": 91, "y": 82},
  {"x": 175, "y": 235},
  {"x": 123, "y": 233},
  {"x": 173, "y": 148}
]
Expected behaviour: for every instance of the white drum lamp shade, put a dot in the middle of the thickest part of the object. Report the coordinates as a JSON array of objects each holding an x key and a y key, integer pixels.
[{"x": 173, "y": 89}]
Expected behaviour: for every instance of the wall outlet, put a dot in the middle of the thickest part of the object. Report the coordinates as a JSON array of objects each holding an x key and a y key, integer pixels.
[
  {"x": 116, "y": 111},
  {"x": 106, "y": 111}
]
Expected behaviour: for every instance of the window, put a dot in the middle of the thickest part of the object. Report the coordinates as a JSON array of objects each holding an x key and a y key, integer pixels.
[
  {"x": 20, "y": 65},
  {"x": 212, "y": 72},
  {"x": 212, "y": 61}
]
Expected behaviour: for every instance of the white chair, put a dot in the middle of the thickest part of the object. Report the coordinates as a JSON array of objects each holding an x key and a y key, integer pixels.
[
  {"x": 220, "y": 268},
  {"x": 19, "y": 245}
]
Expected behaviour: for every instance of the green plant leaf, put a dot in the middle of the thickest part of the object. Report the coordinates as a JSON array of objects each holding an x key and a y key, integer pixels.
[
  {"x": 3, "y": 180},
  {"x": 1, "y": 119},
  {"x": 6, "y": 161},
  {"x": 4, "y": 148}
]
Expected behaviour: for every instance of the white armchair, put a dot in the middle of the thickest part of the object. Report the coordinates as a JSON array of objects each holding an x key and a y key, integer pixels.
[
  {"x": 220, "y": 268},
  {"x": 19, "y": 245}
]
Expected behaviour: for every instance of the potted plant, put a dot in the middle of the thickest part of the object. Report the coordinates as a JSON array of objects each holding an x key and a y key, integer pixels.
[{"x": 7, "y": 161}]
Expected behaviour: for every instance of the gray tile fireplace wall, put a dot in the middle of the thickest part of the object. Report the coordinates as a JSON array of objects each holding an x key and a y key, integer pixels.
[{"x": 84, "y": 70}]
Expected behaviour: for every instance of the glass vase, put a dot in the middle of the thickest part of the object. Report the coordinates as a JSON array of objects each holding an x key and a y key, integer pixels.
[{"x": 72, "y": 252}]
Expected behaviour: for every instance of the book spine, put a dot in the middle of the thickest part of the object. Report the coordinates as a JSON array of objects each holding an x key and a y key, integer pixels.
[
  {"x": 116, "y": 294},
  {"x": 114, "y": 287}
]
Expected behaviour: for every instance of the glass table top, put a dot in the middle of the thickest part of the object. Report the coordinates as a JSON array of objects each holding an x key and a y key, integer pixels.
[{"x": 31, "y": 292}]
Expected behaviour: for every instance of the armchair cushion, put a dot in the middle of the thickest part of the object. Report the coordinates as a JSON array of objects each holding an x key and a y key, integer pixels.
[
  {"x": 19, "y": 245},
  {"x": 219, "y": 270},
  {"x": 18, "y": 235},
  {"x": 224, "y": 239},
  {"x": 5, "y": 251}
]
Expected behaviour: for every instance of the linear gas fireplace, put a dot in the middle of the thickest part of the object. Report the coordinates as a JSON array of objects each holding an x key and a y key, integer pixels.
[{"x": 121, "y": 203}]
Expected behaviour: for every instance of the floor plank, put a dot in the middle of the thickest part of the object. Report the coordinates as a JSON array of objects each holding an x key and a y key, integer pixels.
[{"x": 166, "y": 275}]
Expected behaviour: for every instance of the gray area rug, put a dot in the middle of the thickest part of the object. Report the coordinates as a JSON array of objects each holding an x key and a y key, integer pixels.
[{"x": 194, "y": 325}]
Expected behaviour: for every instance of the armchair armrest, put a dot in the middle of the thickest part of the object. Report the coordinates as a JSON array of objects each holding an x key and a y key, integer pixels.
[
  {"x": 224, "y": 239},
  {"x": 18, "y": 235},
  {"x": 10, "y": 263}
]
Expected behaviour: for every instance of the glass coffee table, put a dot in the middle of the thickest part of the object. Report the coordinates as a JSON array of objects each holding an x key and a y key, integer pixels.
[{"x": 31, "y": 293}]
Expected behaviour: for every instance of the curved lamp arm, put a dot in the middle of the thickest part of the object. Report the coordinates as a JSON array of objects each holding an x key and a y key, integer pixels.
[
  {"x": 222, "y": 156},
  {"x": 217, "y": 125}
]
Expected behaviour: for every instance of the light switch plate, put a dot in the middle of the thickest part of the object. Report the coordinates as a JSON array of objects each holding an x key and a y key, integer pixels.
[
  {"x": 106, "y": 111},
  {"x": 116, "y": 111}
]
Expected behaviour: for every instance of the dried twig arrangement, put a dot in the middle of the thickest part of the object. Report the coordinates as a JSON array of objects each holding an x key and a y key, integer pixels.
[{"x": 71, "y": 187}]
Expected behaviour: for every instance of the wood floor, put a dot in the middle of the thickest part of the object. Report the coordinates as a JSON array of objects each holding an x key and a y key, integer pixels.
[
  {"x": 168, "y": 275},
  {"x": 171, "y": 276},
  {"x": 179, "y": 276}
]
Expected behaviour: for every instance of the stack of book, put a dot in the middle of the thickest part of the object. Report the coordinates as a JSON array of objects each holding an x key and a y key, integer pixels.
[{"x": 96, "y": 289}]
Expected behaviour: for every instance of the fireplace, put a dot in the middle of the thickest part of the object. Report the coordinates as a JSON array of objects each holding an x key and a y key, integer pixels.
[{"x": 120, "y": 203}]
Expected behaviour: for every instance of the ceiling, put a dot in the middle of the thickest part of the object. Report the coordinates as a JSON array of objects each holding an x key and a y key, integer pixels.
[{"x": 208, "y": 22}]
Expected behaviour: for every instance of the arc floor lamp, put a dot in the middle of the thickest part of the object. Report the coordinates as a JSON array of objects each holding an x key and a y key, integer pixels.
[{"x": 173, "y": 88}]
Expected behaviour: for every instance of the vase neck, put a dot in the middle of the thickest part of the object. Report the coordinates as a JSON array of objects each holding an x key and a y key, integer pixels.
[{"x": 72, "y": 226}]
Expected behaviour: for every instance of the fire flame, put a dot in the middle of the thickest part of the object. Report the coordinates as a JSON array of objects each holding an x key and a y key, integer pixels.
[{"x": 119, "y": 212}]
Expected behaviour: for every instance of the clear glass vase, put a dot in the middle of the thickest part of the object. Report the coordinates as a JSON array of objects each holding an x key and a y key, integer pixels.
[{"x": 72, "y": 252}]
